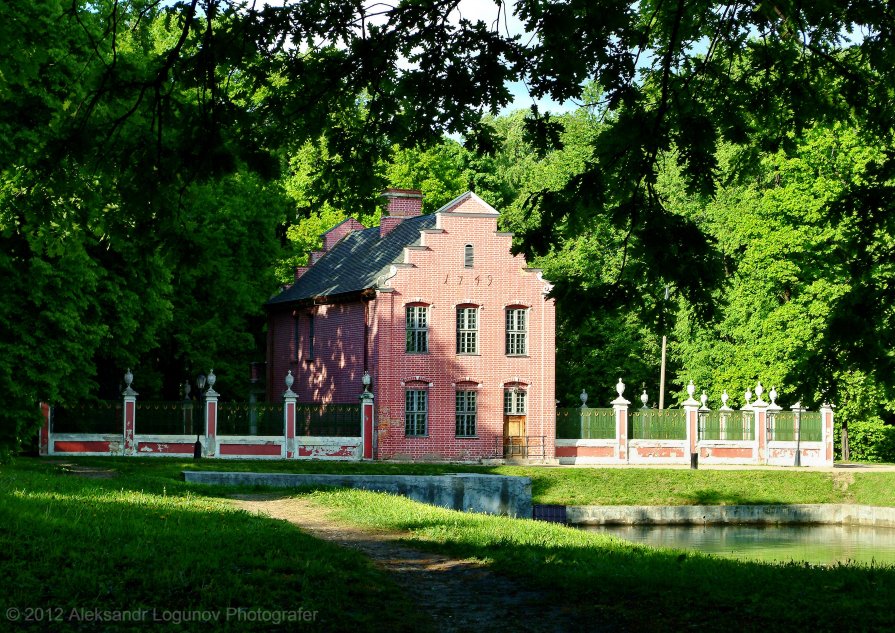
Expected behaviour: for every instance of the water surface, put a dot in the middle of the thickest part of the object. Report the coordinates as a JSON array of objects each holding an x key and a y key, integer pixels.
[{"x": 815, "y": 544}]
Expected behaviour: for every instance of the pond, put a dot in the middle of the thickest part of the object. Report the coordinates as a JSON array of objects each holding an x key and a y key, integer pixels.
[{"x": 815, "y": 544}]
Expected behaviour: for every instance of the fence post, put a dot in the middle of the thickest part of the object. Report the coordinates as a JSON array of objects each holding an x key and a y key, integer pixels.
[
  {"x": 289, "y": 400},
  {"x": 761, "y": 430},
  {"x": 620, "y": 407},
  {"x": 366, "y": 419},
  {"x": 211, "y": 417},
  {"x": 691, "y": 411},
  {"x": 826, "y": 425},
  {"x": 45, "y": 429},
  {"x": 130, "y": 415}
]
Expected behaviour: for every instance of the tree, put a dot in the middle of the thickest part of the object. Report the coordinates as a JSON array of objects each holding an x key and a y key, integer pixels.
[{"x": 113, "y": 111}]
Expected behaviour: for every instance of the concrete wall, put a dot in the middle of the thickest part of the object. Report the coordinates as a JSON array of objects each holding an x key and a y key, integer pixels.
[
  {"x": 491, "y": 494},
  {"x": 840, "y": 514}
]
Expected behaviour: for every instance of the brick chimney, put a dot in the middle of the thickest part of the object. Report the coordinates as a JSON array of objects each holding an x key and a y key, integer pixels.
[{"x": 400, "y": 204}]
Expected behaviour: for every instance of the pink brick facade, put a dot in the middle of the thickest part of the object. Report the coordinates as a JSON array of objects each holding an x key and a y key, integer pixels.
[{"x": 459, "y": 260}]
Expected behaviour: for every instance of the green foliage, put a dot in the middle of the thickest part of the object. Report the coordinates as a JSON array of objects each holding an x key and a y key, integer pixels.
[{"x": 868, "y": 441}]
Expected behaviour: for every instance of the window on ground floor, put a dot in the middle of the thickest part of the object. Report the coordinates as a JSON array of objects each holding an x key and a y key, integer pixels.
[
  {"x": 466, "y": 413},
  {"x": 416, "y": 412}
]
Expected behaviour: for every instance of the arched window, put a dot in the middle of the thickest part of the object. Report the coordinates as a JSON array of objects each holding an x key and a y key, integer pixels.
[
  {"x": 416, "y": 408},
  {"x": 467, "y": 256},
  {"x": 467, "y": 330},
  {"x": 417, "y": 329},
  {"x": 517, "y": 331}
]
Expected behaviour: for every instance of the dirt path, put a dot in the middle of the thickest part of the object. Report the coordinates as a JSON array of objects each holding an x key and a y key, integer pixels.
[{"x": 460, "y": 595}]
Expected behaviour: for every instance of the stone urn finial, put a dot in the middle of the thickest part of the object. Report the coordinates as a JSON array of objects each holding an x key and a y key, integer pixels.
[
  {"x": 724, "y": 398},
  {"x": 644, "y": 398},
  {"x": 290, "y": 380},
  {"x": 620, "y": 388},
  {"x": 691, "y": 389},
  {"x": 703, "y": 398},
  {"x": 583, "y": 397}
]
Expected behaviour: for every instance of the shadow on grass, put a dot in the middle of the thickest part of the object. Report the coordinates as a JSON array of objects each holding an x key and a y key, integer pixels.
[
  {"x": 640, "y": 588},
  {"x": 73, "y": 543}
]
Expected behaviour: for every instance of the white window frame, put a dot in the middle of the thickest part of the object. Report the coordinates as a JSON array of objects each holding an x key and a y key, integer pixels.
[
  {"x": 468, "y": 330},
  {"x": 416, "y": 412},
  {"x": 416, "y": 327},
  {"x": 466, "y": 412},
  {"x": 515, "y": 401},
  {"x": 516, "y": 336}
]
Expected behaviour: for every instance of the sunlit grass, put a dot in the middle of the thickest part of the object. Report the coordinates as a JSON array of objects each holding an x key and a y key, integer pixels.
[
  {"x": 148, "y": 542},
  {"x": 643, "y": 588}
]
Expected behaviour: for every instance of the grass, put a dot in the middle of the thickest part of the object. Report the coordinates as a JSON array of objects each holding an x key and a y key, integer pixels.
[
  {"x": 635, "y": 587},
  {"x": 576, "y": 486},
  {"x": 144, "y": 542}
]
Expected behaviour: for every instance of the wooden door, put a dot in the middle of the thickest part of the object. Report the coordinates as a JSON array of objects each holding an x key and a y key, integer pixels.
[{"x": 514, "y": 435}]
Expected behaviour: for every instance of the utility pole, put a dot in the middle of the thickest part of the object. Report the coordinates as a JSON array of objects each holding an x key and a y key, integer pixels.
[{"x": 664, "y": 340}]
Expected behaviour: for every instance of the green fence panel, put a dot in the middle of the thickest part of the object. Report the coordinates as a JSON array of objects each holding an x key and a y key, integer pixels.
[
  {"x": 811, "y": 427},
  {"x": 658, "y": 424},
  {"x": 726, "y": 425},
  {"x": 597, "y": 424},
  {"x": 168, "y": 417},
  {"x": 250, "y": 419},
  {"x": 101, "y": 416},
  {"x": 328, "y": 420},
  {"x": 784, "y": 425},
  {"x": 577, "y": 423}
]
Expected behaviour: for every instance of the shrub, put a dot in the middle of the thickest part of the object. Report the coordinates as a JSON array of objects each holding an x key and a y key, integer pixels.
[{"x": 870, "y": 441}]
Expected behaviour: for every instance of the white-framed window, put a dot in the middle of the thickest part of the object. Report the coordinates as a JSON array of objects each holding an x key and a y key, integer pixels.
[
  {"x": 468, "y": 256},
  {"x": 466, "y": 413},
  {"x": 514, "y": 402},
  {"x": 416, "y": 412},
  {"x": 467, "y": 331},
  {"x": 417, "y": 327},
  {"x": 517, "y": 331}
]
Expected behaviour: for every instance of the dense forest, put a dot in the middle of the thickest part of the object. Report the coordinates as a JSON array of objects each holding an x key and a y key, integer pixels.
[{"x": 165, "y": 165}]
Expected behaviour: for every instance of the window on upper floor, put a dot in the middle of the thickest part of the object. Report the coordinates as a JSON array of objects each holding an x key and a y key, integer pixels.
[
  {"x": 468, "y": 256},
  {"x": 467, "y": 330},
  {"x": 416, "y": 412},
  {"x": 517, "y": 331},
  {"x": 466, "y": 413},
  {"x": 310, "y": 337},
  {"x": 417, "y": 328}
]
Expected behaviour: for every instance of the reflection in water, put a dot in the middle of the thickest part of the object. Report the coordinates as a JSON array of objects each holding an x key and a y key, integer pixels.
[{"x": 815, "y": 544}]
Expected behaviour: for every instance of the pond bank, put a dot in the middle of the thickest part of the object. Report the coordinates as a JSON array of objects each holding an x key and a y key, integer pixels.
[{"x": 838, "y": 514}]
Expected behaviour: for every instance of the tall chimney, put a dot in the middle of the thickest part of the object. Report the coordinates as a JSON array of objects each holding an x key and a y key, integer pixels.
[{"x": 400, "y": 204}]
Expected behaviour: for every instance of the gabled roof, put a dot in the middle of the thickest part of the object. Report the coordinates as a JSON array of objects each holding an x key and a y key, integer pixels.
[
  {"x": 355, "y": 262},
  {"x": 464, "y": 197}
]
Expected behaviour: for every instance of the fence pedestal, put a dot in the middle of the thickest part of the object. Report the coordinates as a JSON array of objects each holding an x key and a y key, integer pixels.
[
  {"x": 44, "y": 438},
  {"x": 826, "y": 425},
  {"x": 289, "y": 400},
  {"x": 366, "y": 420},
  {"x": 620, "y": 408},
  {"x": 211, "y": 422},
  {"x": 130, "y": 416}
]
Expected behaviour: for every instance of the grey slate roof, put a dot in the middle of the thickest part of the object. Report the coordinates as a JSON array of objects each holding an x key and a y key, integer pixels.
[{"x": 355, "y": 262}]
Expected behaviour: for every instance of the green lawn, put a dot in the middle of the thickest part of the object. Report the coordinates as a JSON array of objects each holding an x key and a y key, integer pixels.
[
  {"x": 577, "y": 486},
  {"x": 144, "y": 543},
  {"x": 633, "y": 587}
]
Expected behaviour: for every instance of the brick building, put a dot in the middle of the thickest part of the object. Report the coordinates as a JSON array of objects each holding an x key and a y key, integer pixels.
[{"x": 457, "y": 333}]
